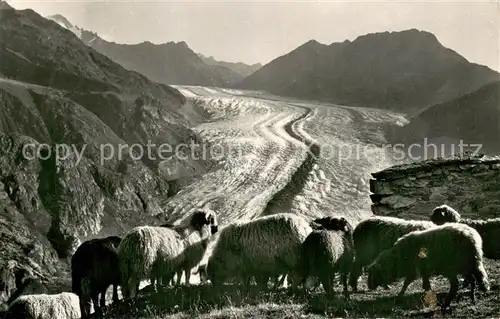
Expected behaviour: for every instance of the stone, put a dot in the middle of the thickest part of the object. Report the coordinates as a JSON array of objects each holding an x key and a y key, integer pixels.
[
  {"x": 397, "y": 201},
  {"x": 379, "y": 187},
  {"x": 438, "y": 193}
]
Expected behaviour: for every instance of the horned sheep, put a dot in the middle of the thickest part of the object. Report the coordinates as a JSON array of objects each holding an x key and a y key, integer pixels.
[
  {"x": 43, "y": 306},
  {"x": 448, "y": 250},
  {"x": 376, "y": 234},
  {"x": 264, "y": 247},
  {"x": 146, "y": 249},
  {"x": 93, "y": 269},
  {"x": 328, "y": 251},
  {"x": 487, "y": 228}
]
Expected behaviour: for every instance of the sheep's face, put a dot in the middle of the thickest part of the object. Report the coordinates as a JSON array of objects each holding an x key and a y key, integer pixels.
[
  {"x": 384, "y": 270},
  {"x": 200, "y": 220},
  {"x": 214, "y": 227},
  {"x": 444, "y": 214}
]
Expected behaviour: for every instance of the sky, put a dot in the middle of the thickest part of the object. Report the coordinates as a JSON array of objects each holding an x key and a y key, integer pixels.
[{"x": 260, "y": 31}]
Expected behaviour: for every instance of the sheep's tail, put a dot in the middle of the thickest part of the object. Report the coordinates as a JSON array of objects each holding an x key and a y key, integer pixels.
[{"x": 481, "y": 277}]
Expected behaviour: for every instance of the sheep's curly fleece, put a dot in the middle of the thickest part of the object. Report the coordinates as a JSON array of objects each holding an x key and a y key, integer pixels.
[
  {"x": 43, "y": 306},
  {"x": 489, "y": 229},
  {"x": 326, "y": 252},
  {"x": 374, "y": 235},
  {"x": 448, "y": 250},
  {"x": 264, "y": 247},
  {"x": 141, "y": 248}
]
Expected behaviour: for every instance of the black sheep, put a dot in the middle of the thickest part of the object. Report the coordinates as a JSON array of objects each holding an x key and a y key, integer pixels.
[
  {"x": 94, "y": 267},
  {"x": 328, "y": 251}
]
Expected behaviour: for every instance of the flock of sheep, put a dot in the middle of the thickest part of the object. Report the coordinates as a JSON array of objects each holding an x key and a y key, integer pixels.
[{"x": 273, "y": 248}]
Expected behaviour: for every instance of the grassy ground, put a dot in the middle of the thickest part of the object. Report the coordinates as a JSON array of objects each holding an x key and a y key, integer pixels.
[{"x": 204, "y": 302}]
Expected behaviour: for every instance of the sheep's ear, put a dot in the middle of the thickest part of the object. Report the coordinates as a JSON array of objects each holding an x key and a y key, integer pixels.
[{"x": 345, "y": 224}]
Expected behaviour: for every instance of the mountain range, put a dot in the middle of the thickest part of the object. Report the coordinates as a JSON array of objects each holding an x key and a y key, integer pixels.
[
  {"x": 167, "y": 63},
  {"x": 62, "y": 85},
  {"x": 405, "y": 71},
  {"x": 241, "y": 68}
]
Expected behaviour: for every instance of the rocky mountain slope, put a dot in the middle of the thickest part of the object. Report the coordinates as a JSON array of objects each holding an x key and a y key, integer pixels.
[
  {"x": 472, "y": 119},
  {"x": 59, "y": 95},
  {"x": 241, "y": 68},
  {"x": 405, "y": 71},
  {"x": 167, "y": 63}
]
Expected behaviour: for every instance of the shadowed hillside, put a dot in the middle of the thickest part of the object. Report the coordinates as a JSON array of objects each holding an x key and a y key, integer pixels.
[
  {"x": 57, "y": 94},
  {"x": 404, "y": 71},
  {"x": 473, "y": 118}
]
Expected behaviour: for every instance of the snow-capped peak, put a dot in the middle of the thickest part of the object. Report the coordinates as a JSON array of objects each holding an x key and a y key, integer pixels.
[{"x": 63, "y": 22}]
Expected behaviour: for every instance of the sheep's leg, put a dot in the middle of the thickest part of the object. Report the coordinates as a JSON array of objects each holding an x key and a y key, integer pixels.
[
  {"x": 426, "y": 284},
  {"x": 115, "y": 293},
  {"x": 355, "y": 273},
  {"x": 421, "y": 270},
  {"x": 472, "y": 282},
  {"x": 84, "y": 307},
  {"x": 453, "y": 291},
  {"x": 407, "y": 282},
  {"x": 155, "y": 282},
  {"x": 262, "y": 281},
  {"x": 133, "y": 287},
  {"x": 125, "y": 291},
  {"x": 343, "y": 279},
  {"x": 103, "y": 299},
  {"x": 247, "y": 281},
  {"x": 97, "y": 308},
  {"x": 327, "y": 281},
  {"x": 188, "y": 275},
  {"x": 280, "y": 281},
  {"x": 179, "y": 276}
]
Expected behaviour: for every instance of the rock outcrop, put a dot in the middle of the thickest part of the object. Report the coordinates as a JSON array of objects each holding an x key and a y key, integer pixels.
[
  {"x": 470, "y": 184},
  {"x": 472, "y": 119}
]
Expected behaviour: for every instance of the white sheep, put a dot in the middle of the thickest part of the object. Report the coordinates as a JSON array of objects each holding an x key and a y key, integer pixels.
[
  {"x": 449, "y": 250},
  {"x": 43, "y": 306},
  {"x": 264, "y": 247},
  {"x": 146, "y": 249},
  {"x": 487, "y": 228}
]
